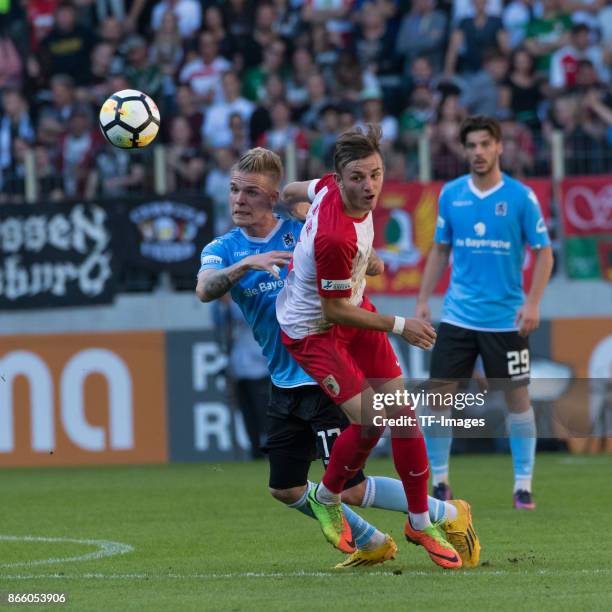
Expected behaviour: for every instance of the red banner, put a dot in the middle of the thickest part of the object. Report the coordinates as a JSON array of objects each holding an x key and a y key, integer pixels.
[
  {"x": 404, "y": 226},
  {"x": 586, "y": 205}
]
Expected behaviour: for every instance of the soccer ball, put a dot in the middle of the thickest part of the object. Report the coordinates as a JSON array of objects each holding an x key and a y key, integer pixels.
[{"x": 129, "y": 119}]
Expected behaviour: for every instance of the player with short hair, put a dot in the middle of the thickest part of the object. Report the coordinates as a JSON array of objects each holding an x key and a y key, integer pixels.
[
  {"x": 248, "y": 262},
  {"x": 486, "y": 217},
  {"x": 339, "y": 339}
]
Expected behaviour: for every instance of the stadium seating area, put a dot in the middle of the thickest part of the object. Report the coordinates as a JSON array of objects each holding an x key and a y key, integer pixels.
[{"x": 229, "y": 75}]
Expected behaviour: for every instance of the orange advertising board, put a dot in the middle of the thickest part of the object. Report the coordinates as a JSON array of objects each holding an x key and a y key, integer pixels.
[
  {"x": 79, "y": 399},
  {"x": 585, "y": 345}
]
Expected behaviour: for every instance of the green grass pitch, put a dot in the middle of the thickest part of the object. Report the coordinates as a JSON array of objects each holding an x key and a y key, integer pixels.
[{"x": 209, "y": 537}]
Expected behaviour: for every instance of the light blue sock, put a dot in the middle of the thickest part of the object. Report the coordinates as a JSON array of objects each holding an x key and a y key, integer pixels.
[
  {"x": 438, "y": 440},
  {"x": 365, "y": 535},
  {"x": 523, "y": 436},
  {"x": 388, "y": 494}
]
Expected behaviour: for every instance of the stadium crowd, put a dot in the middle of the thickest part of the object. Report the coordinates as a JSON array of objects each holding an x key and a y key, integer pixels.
[{"x": 233, "y": 74}]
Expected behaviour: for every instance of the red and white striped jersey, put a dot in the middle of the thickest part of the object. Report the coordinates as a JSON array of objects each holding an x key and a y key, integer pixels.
[{"x": 330, "y": 261}]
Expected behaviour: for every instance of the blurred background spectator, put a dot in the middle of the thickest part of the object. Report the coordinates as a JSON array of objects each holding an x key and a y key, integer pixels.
[{"x": 229, "y": 75}]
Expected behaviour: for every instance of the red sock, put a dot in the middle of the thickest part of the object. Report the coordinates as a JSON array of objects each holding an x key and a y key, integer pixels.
[
  {"x": 410, "y": 458},
  {"x": 349, "y": 454}
]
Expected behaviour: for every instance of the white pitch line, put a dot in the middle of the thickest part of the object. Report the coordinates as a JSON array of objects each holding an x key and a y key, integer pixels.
[
  {"x": 106, "y": 548},
  {"x": 301, "y": 574}
]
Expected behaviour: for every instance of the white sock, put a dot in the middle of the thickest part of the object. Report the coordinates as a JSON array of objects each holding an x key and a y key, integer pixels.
[
  {"x": 419, "y": 521},
  {"x": 378, "y": 539},
  {"x": 438, "y": 478},
  {"x": 450, "y": 512},
  {"x": 325, "y": 496},
  {"x": 522, "y": 483}
]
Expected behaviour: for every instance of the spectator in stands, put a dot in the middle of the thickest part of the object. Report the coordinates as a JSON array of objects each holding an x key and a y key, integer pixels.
[
  {"x": 102, "y": 59},
  {"x": 12, "y": 178},
  {"x": 239, "y": 17},
  {"x": 217, "y": 187},
  {"x": 422, "y": 33},
  {"x": 462, "y": 9},
  {"x": 50, "y": 183},
  {"x": 317, "y": 99},
  {"x": 214, "y": 22},
  {"x": 284, "y": 132},
  {"x": 188, "y": 14},
  {"x": 67, "y": 48},
  {"x": 302, "y": 68},
  {"x": 140, "y": 73},
  {"x": 350, "y": 79},
  {"x": 185, "y": 167},
  {"x": 374, "y": 41},
  {"x": 187, "y": 107},
  {"x": 260, "y": 119},
  {"x": 564, "y": 61},
  {"x": 325, "y": 53},
  {"x": 240, "y": 134},
  {"x": 516, "y": 16},
  {"x": 11, "y": 64},
  {"x": 166, "y": 50},
  {"x": 546, "y": 34},
  {"x": 519, "y": 149},
  {"x": 262, "y": 35},
  {"x": 216, "y": 128},
  {"x": 335, "y": 14},
  {"x": 446, "y": 153},
  {"x": 372, "y": 111},
  {"x": 203, "y": 73},
  {"x": 482, "y": 94},
  {"x": 63, "y": 98},
  {"x": 324, "y": 141},
  {"x": 112, "y": 32},
  {"x": 475, "y": 35},
  {"x": 254, "y": 80},
  {"x": 116, "y": 172},
  {"x": 586, "y": 76},
  {"x": 412, "y": 123},
  {"x": 41, "y": 18},
  {"x": 15, "y": 123},
  {"x": 78, "y": 150},
  {"x": 523, "y": 88}
]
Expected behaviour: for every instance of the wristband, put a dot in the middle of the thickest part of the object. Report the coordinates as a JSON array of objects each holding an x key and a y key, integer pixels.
[{"x": 398, "y": 325}]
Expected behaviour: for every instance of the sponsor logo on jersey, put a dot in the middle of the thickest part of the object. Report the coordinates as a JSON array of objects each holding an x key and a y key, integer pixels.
[
  {"x": 541, "y": 226},
  {"x": 331, "y": 384},
  {"x": 264, "y": 287},
  {"x": 211, "y": 259},
  {"x": 288, "y": 240},
  {"x": 462, "y": 203},
  {"x": 241, "y": 253},
  {"x": 480, "y": 229},
  {"x": 335, "y": 285},
  {"x": 501, "y": 209}
]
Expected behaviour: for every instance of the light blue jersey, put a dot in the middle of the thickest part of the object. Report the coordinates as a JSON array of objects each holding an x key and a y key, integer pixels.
[
  {"x": 255, "y": 293},
  {"x": 487, "y": 232}
]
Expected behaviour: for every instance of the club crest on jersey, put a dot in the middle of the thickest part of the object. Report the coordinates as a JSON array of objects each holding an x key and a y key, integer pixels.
[
  {"x": 331, "y": 384},
  {"x": 480, "y": 229},
  {"x": 501, "y": 209},
  {"x": 288, "y": 240}
]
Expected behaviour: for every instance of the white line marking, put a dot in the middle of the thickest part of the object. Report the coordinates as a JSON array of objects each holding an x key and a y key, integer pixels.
[
  {"x": 106, "y": 548},
  {"x": 234, "y": 575}
]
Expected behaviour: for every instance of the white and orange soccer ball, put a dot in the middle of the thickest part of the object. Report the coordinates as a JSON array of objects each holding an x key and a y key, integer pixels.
[{"x": 129, "y": 119}]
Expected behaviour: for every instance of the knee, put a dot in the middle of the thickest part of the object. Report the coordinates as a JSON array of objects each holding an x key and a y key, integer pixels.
[
  {"x": 354, "y": 495},
  {"x": 287, "y": 496}
]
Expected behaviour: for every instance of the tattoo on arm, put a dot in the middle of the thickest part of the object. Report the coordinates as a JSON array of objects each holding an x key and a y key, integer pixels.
[{"x": 219, "y": 283}]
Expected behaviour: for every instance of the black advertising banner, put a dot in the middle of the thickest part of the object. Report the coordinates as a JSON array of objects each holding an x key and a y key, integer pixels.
[
  {"x": 166, "y": 233},
  {"x": 55, "y": 255}
]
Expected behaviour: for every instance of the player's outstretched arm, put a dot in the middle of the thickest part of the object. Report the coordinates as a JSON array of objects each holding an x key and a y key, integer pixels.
[
  {"x": 415, "y": 331},
  {"x": 212, "y": 284},
  {"x": 435, "y": 266}
]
